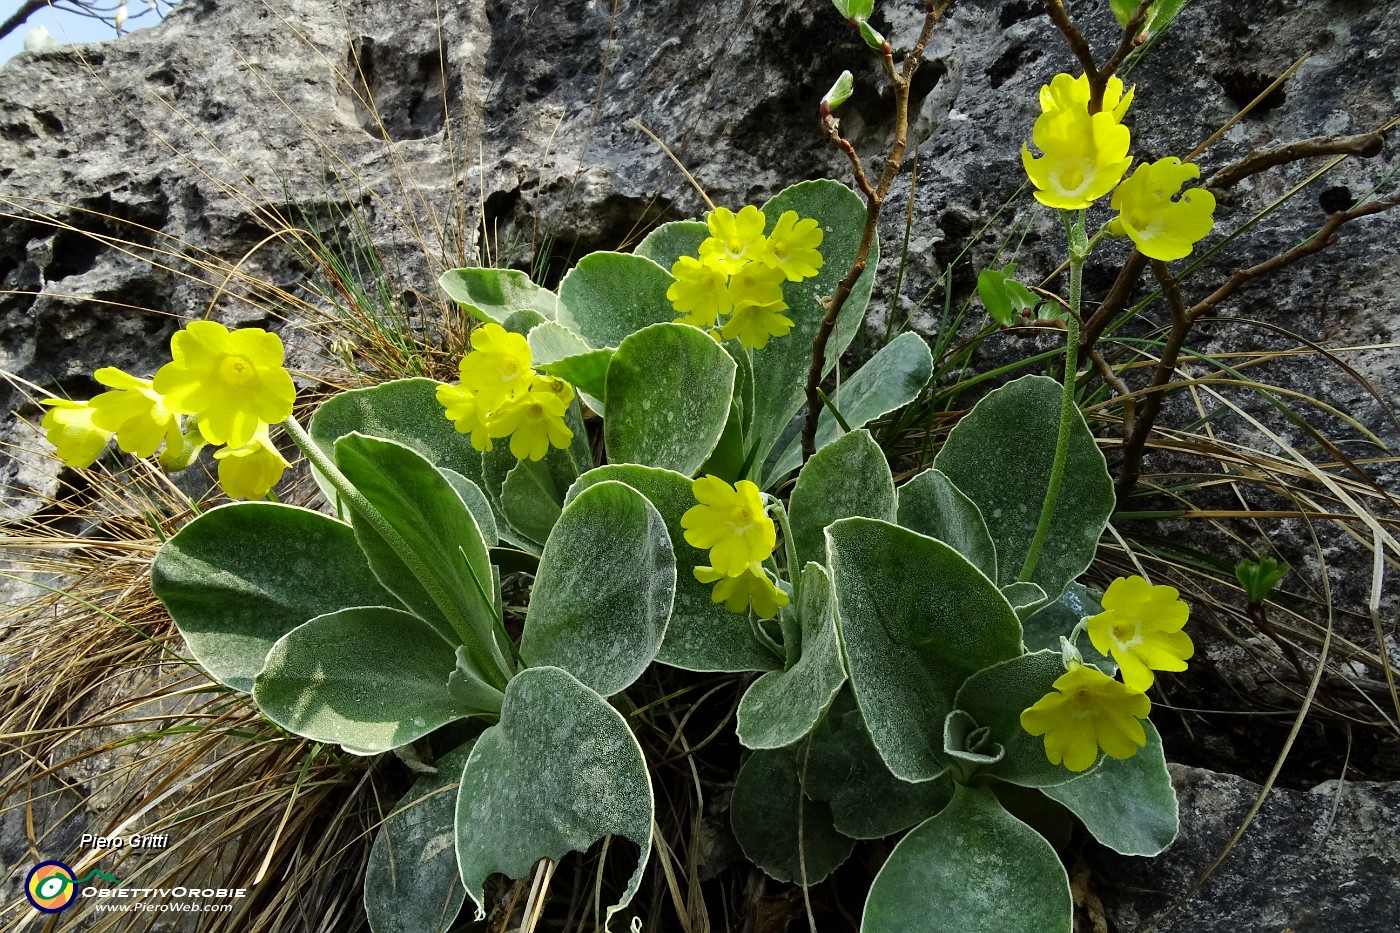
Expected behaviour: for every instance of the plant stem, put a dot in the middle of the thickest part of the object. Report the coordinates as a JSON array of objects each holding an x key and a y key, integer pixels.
[
  {"x": 792, "y": 633},
  {"x": 1078, "y": 253},
  {"x": 357, "y": 502}
]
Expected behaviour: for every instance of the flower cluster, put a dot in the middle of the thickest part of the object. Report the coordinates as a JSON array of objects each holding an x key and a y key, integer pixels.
[
  {"x": 1085, "y": 156},
  {"x": 740, "y": 273},
  {"x": 501, "y": 395},
  {"x": 1141, "y": 627},
  {"x": 229, "y": 385},
  {"x": 731, "y": 523}
]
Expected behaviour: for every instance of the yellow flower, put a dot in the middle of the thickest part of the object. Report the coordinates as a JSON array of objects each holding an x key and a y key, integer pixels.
[
  {"x": 465, "y": 413},
  {"x": 1066, "y": 93},
  {"x": 792, "y": 247},
  {"x": 251, "y": 470},
  {"x": 735, "y": 239},
  {"x": 731, "y": 523},
  {"x": 753, "y": 588},
  {"x": 68, "y": 426},
  {"x": 497, "y": 370},
  {"x": 1163, "y": 228},
  {"x": 232, "y": 381},
  {"x": 534, "y": 422},
  {"x": 700, "y": 292},
  {"x": 1085, "y": 155},
  {"x": 754, "y": 323},
  {"x": 135, "y": 412},
  {"x": 1141, "y": 627},
  {"x": 1088, "y": 710}
]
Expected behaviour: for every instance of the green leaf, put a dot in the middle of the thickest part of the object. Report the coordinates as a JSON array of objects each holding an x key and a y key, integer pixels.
[
  {"x": 845, "y": 478},
  {"x": 840, "y": 91},
  {"x": 891, "y": 379},
  {"x": 1163, "y": 12},
  {"x": 406, "y": 411},
  {"x": 241, "y": 576},
  {"x": 559, "y": 772},
  {"x": 411, "y": 880},
  {"x": 668, "y": 395},
  {"x": 492, "y": 294},
  {"x": 1047, "y": 624},
  {"x": 1000, "y": 455},
  {"x": 428, "y": 514},
  {"x": 995, "y": 697},
  {"x": 327, "y": 680},
  {"x": 1025, "y": 598},
  {"x": 845, "y": 769},
  {"x": 1003, "y": 296},
  {"x": 977, "y": 868},
  {"x": 855, "y": 9},
  {"x": 604, "y": 590},
  {"x": 1123, "y": 10},
  {"x": 702, "y": 634},
  {"x": 1129, "y": 806},
  {"x": 780, "y": 368},
  {"x": 783, "y": 706},
  {"x": 533, "y": 495},
  {"x": 477, "y": 503},
  {"x": 916, "y": 619},
  {"x": 669, "y": 242},
  {"x": 871, "y": 35},
  {"x": 766, "y": 810},
  {"x": 608, "y": 297},
  {"x": 931, "y": 505},
  {"x": 558, "y": 351}
]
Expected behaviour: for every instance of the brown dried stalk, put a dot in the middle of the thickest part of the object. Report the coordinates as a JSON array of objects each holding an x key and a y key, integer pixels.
[{"x": 1098, "y": 77}]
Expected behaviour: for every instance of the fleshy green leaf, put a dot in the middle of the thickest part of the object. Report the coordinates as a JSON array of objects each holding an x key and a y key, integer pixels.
[
  {"x": 406, "y": 411},
  {"x": 1025, "y": 598},
  {"x": 931, "y": 505},
  {"x": 1000, "y": 455},
  {"x": 845, "y": 769},
  {"x": 241, "y": 576},
  {"x": 978, "y": 867},
  {"x": 871, "y": 35},
  {"x": 328, "y": 680},
  {"x": 780, "y": 368},
  {"x": 847, "y": 477},
  {"x": 609, "y": 296},
  {"x": 533, "y": 495},
  {"x": 783, "y": 706},
  {"x": 702, "y": 634},
  {"x": 1003, "y": 296},
  {"x": 1045, "y": 626},
  {"x": 411, "y": 880},
  {"x": 916, "y": 619},
  {"x": 558, "y": 351},
  {"x": 840, "y": 91},
  {"x": 1129, "y": 806},
  {"x": 559, "y": 772},
  {"x": 437, "y": 529},
  {"x": 891, "y": 379},
  {"x": 668, "y": 395},
  {"x": 477, "y": 503},
  {"x": 604, "y": 590},
  {"x": 766, "y": 810},
  {"x": 669, "y": 242},
  {"x": 492, "y": 294},
  {"x": 995, "y": 697}
]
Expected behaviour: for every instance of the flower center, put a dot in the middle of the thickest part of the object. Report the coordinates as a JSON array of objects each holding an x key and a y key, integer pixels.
[
  {"x": 1082, "y": 699},
  {"x": 736, "y": 247},
  {"x": 510, "y": 368},
  {"x": 236, "y": 370}
]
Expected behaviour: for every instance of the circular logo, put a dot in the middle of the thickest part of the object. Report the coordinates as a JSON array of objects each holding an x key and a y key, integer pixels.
[{"x": 50, "y": 887}]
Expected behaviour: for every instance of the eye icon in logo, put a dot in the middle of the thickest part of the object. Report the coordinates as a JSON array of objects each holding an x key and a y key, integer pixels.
[{"x": 50, "y": 887}]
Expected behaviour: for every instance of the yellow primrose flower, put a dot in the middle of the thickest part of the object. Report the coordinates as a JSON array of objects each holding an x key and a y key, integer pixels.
[
  {"x": 1088, "y": 710},
  {"x": 552, "y": 385},
  {"x": 792, "y": 247},
  {"x": 251, "y": 470},
  {"x": 731, "y": 523},
  {"x": 232, "y": 381},
  {"x": 1163, "y": 228},
  {"x": 68, "y": 426},
  {"x": 753, "y": 588},
  {"x": 1085, "y": 155},
  {"x": 754, "y": 323},
  {"x": 1141, "y": 627},
  {"x": 497, "y": 370},
  {"x": 534, "y": 422},
  {"x": 700, "y": 292},
  {"x": 466, "y": 415},
  {"x": 1066, "y": 93},
  {"x": 735, "y": 239},
  {"x": 135, "y": 412}
]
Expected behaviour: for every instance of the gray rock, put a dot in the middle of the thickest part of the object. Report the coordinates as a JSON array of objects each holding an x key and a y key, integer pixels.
[{"x": 1324, "y": 861}]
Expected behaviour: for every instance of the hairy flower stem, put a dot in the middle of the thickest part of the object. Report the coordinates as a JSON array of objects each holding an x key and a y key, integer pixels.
[
  {"x": 791, "y": 625},
  {"x": 1079, "y": 247},
  {"x": 874, "y": 201},
  {"x": 491, "y": 665}
]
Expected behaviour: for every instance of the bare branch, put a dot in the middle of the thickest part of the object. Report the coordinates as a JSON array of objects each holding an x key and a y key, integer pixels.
[{"x": 1366, "y": 145}]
